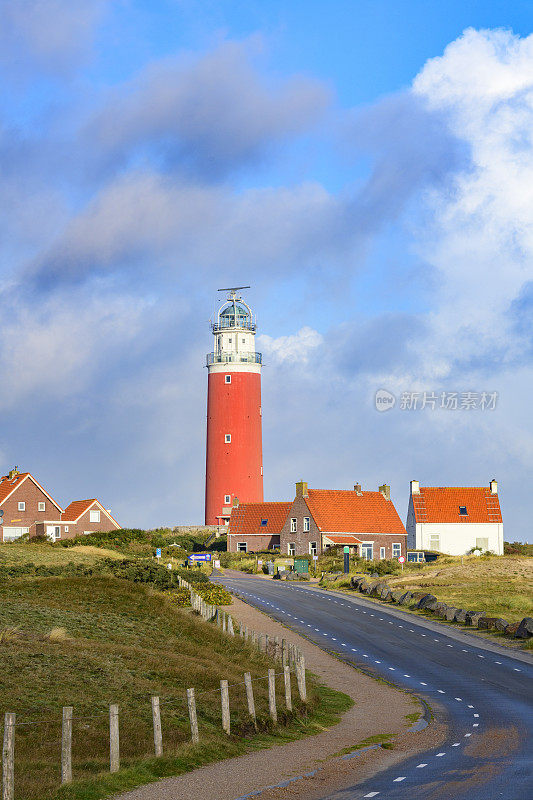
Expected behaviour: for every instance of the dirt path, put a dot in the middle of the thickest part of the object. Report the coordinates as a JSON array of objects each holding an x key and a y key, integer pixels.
[{"x": 378, "y": 709}]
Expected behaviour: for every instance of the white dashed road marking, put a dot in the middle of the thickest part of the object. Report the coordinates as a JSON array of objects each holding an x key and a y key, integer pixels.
[
  {"x": 439, "y": 755},
  {"x": 397, "y": 780},
  {"x": 371, "y": 794},
  {"x": 420, "y": 766}
]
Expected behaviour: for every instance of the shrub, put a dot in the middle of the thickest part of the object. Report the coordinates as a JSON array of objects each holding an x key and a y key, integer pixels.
[
  {"x": 179, "y": 597},
  {"x": 214, "y": 594}
]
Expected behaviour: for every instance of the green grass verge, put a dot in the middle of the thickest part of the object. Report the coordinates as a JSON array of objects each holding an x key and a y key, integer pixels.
[{"x": 87, "y": 642}]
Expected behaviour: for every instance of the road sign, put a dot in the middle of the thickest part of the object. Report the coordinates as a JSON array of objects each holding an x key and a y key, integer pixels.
[
  {"x": 315, "y": 558},
  {"x": 216, "y": 564},
  {"x": 401, "y": 559},
  {"x": 346, "y": 549},
  {"x": 158, "y": 552},
  {"x": 200, "y": 557}
]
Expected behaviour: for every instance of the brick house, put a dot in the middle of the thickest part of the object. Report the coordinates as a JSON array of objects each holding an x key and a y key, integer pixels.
[
  {"x": 256, "y": 526},
  {"x": 27, "y": 508},
  {"x": 454, "y": 519},
  {"x": 365, "y": 521}
]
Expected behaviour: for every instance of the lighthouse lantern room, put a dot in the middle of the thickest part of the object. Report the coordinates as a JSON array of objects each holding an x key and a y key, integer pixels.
[{"x": 234, "y": 465}]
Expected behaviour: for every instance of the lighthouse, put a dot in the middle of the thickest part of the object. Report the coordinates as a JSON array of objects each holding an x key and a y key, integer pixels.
[{"x": 234, "y": 459}]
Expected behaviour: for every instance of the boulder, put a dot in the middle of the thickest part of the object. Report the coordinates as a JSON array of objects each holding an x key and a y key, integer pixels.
[
  {"x": 374, "y": 575},
  {"x": 473, "y": 617},
  {"x": 450, "y": 613},
  {"x": 370, "y": 587},
  {"x": 487, "y": 623},
  {"x": 512, "y": 628},
  {"x": 525, "y": 629},
  {"x": 376, "y": 589},
  {"x": 406, "y": 598},
  {"x": 428, "y": 601},
  {"x": 385, "y": 593},
  {"x": 460, "y": 615},
  {"x": 355, "y": 581},
  {"x": 500, "y": 624},
  {"x": 440, "y": 610},
  {"x": 395, "y": 595}
]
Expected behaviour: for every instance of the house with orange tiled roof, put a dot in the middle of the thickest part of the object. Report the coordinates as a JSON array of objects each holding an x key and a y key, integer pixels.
[
  {"x": 454, "y": 519},
  {"x": 27, "y": 508},
  {"x": 365, "y": 521},
  {"x": 254, "y": 527}
]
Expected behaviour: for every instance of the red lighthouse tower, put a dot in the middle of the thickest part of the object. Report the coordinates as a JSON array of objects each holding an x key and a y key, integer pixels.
[{"x": 234, "y": 460}]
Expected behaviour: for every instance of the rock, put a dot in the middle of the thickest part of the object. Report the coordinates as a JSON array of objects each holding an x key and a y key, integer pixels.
[
  {"x": 512, "y": 628},
  {"x": 440, "y": 610},
  {"x": 395, "y": 595},
  {"x": 376, "y": 589},
  {"x": 473, "y": 617},
  {"x": 460, "y": 615},
  {"x": 450, "y": 613},
  {"x": 525, "y": 629},
  {"x": 355, "y": 580},
  {"x": 406, "y": 598},
  {"x": 500, "y": 624},
  {"x": 486, "y": 623},
  {"x": 426, "y": 601},
  {"x": 374, "y": 575},
  {"x": 370, "y": 587},
  {"x": 385, "y": 592},
  {"x": 363, "y": 585}
]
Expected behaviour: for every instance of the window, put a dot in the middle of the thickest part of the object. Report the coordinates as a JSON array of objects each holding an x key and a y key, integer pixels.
[
  {"x": 94, "y": 516},
  {"x": 228, "y": 378},
  {"x": 291, "y": 548},
  {"x": 396, "y": 550},
  {"x": 229, "y": 340},
  {"x": 434, "y": 541},
  {"x": 57, "y": 533},
  {"x": 227, "y": 499},
  {"x": 313, "y": 549},
  {"x": 66, "y": 528},
  {"x": 227, "y": 438},
  {"x": 244, "y": 341},
  {"x": 483, "y": 544},
  {"x": 264, "y": 522},
  {"x": 307, "y": 525},
  {"x": 382, "y": 552},
  {"x": 242, "y": 547},
  {"x": 462, "y": 511},
  {"x": 367, "y": 551},
  {"x": 41, "y": 506},
  {"x": 294, "y": 525},
  {"x": 22, "y": 506}
]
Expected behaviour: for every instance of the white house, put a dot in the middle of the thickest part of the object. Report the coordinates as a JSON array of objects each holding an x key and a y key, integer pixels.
[{"x": 454, "y": 519}]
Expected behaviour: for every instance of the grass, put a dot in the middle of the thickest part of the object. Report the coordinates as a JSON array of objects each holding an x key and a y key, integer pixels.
[
  {"x": 92, "y": 641},
  {"x": 502, "y": 586},
  {"x": 47, "y": 554}
]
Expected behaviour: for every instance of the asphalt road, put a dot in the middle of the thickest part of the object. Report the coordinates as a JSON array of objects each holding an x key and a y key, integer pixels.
[{"x": 486, "y": 693}]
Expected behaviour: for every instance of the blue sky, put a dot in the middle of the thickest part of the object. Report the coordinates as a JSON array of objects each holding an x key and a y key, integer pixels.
[{"x": 365, "y": 166}]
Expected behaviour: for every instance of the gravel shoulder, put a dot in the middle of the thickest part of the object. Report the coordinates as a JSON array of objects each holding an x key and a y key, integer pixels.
[{"x": 378, "y": 709}]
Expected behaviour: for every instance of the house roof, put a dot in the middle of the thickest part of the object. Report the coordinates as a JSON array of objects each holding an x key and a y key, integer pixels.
[
  {"x": 9, "y": 485},
  {"x": 77, "y": 508},
  {"x": 442, "y": 503},
  {"x": 345, "y": 538},
  {"x": 247, "y": 518},
  {"x": 345, "y": 511}
]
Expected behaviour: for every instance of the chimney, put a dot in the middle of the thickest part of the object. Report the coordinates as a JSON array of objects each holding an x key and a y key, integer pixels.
[
  {"x": 415, "y": 487},
  {"x": 493, "y": 486},
  {"x": 385, "y": 491},
  {"x": 301, "y": 489},
  {"x": 357, "y": 489},
  {"x": 235, "y": 503}
]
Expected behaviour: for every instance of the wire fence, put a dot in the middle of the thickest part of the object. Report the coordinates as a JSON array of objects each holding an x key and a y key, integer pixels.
[{"x": 173, "y": 721}]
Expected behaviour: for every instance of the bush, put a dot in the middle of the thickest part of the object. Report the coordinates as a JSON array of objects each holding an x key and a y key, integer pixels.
[
  {"x": 214, "y": 594},
  {"x": 179, "y": 597}
]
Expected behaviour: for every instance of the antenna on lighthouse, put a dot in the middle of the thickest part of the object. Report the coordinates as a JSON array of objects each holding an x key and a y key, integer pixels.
[{"x": 233, "y": 290}]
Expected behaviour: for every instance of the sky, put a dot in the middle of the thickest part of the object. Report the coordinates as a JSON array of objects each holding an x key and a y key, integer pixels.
[{"x": 366, "y": 166}]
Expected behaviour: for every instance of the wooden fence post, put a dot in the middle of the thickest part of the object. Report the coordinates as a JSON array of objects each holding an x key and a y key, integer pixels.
[
  {"x": 224, "y": 696},
  {"x": 219, "y": 618},
  {"x": 287, "y": 678},
  {"x": 8, "y": 758},
  {"x": 114, "y": 747},
  {"x": 223, "y": 622},
  {"x": 300, "y": 675},
  {"x": 156, "y": 717},
  {"x": 66, "y": 745},
  {"x": 254, "y": 638},
  {"x": 191, "y": 703},
  {"x": 266, "y": 644},
  {"x": 241, "y": 630},
  {"x": 230, "y": 627},
  {"x": 246, "y": 633},
  {"x": 277, "y": 648},
  {"x": 283, "y": 651},
  {"x": 250, "y": 696},
  {"x": 272, "y": 695}
]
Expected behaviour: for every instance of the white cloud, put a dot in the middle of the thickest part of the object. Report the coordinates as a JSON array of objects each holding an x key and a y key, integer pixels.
[{"x": 298, "y": 347}]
